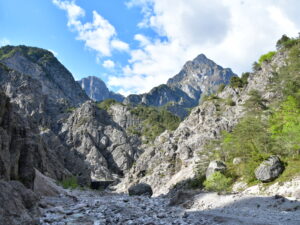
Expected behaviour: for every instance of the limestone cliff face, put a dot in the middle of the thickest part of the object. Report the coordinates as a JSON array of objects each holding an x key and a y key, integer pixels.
[
  {"x": 97, "y": 90},
  {"x": 77, "y": 136},
  {"x": 104, "y": 143},
  {"x": 184, "y": 90},
  {"x": 39, "y": 84},
  {"x": 21, "y": 151},
  {"x": 173, "y": 156}
]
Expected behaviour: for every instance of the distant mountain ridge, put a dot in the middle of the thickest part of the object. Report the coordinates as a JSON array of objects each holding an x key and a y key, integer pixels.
[
  {"x": 184, "y": 90},
  {"x": 97, "y": 90}
]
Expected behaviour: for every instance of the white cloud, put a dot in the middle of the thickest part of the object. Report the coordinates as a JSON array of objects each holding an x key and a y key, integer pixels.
[
  {"x": 233, "y": 33},
  {"x": 98, "y": 35},
  {"x": 4, "y": 41},
  {"x": 108, "y": 64},
  {"x": 53, "y": 52}
]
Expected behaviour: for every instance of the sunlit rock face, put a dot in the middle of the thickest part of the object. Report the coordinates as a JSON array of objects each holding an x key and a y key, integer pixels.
[{"x": 198, "y": 77}]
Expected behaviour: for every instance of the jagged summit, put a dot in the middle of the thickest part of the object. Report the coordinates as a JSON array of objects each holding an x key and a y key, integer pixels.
[
  {"x": 97, "y": 90},
  {"x": 197, "y": 77}
]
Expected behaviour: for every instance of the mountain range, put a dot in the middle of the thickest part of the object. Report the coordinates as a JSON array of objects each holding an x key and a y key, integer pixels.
[
  {"x": 52, "y": 130},
  {"x": 198, "y": 77}
]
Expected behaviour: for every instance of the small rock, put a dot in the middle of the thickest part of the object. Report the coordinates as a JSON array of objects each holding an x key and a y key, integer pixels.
[
  {"x": 140, "y": 189},
  {"x": 215, "y": 166},
  {"x": 237, "y": 160}
]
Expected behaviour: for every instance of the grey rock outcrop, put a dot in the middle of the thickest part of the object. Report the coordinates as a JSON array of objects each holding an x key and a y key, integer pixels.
[
  {"x": 140, "y": 189},
  {"x": 184, "y": 90},
  {"x": 97, "y": 90},
  {"x": 104, "y": 144},
  {"x": 215, "y": 166},
  {"x": 269, "y": 169}
]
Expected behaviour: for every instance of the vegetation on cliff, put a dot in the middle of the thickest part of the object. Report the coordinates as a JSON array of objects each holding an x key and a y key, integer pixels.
[{"x": 267, "y": 128}]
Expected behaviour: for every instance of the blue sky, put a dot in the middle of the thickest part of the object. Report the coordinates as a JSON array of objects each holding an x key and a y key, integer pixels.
[{"x": 134, "y": 45}]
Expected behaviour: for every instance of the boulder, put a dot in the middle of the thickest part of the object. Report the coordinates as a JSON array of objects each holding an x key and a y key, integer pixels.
[
  {"x": 215, "y": 166},
  {"x": 46, "y": 186},
  {"x": 18, "y": 205},
  {"x": 237, "y": 160},
  {"x": 269, "y": 169},
  {"x": 140, "y": 189}
]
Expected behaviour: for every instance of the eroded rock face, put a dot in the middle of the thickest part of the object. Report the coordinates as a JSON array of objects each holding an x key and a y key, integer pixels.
[
  {"x": 40, "y": 91},
  {"x": 269, "y": 169},
  {"x": 104, "y": 144}
]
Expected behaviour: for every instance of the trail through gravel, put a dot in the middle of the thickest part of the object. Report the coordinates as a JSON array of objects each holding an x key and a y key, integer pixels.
[{"x": 104, "y": 208}]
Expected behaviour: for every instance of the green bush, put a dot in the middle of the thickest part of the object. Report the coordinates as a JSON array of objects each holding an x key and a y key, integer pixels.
[
  {"x": 266, "y": 57},
  {"x": 217, "y": 182},
  {"x": 106, "y": 104},
  {"x": 285, "y": 127},
  {"x": 236, "y": 82},
  {"x": 196, "y": 182},
  {"x": 221, "y": 88},
  {"x": 256, "y": 66},
  {"x": 154, "y": 121},
  {"x": 70, "y": 183},
  {"x": 255, "y": 103},
  {"x": 245, "y": 77},
  {"x": 286, "y": 42},
  {"x": 70, "y": 110},
  {"x": 230, "y": 102}
]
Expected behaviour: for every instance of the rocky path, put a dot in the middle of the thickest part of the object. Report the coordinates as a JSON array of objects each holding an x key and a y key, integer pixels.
[
  {"x": 103, "y": 208},
  {"x": 96, "y": 208}
]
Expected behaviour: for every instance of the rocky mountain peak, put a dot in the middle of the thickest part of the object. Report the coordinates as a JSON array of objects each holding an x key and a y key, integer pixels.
[
  {"x": 97, "y": 90},
  {"x": 40, "y": 64},
  {"x": 200, "y": 74},
  {"x": 184, "y": 90}
]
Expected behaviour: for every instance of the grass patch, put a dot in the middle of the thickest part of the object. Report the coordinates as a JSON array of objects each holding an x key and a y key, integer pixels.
[
  {"x": 69, "y": 183},
  {"x": 266, "y": 57},
  {"x": 107, "y": 103},
  {"x": 70, "y": 110},
  {"x": 218, "y": 182}
]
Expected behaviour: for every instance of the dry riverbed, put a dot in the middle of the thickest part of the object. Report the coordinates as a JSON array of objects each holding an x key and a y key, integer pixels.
[{"x": 97, "y": 208}]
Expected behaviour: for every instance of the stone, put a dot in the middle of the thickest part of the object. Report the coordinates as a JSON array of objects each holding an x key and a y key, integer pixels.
[
  {"x": 46, "y": 186},
  {"x": 215, "y": 166},
  {"x": 140, "y": 189},
  {"x": 237, "y": 160},
  {"x": 269, "y": 169}
]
